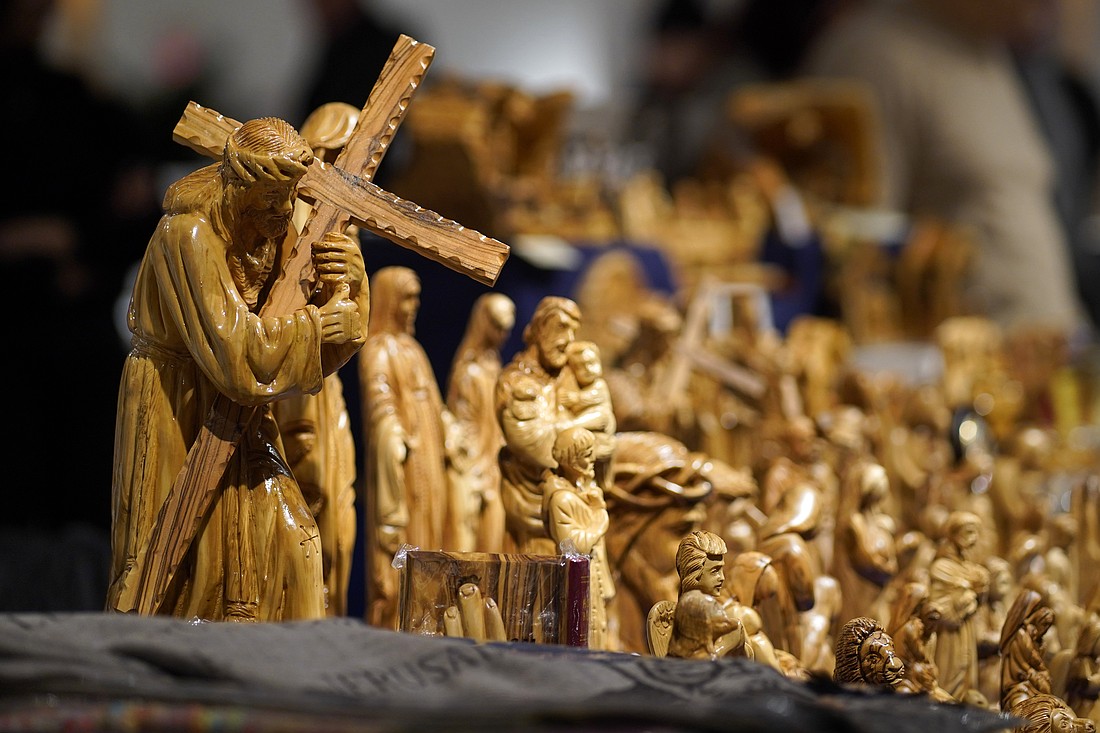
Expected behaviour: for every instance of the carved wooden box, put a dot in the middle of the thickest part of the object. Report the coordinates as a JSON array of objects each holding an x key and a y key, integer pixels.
[{"x": 542, "y": 598}]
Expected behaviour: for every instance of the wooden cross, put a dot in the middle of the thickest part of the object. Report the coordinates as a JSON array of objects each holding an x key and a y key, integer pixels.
[
  {"x": 342, "y": 193},
  {"x": 692, "y": 355}
]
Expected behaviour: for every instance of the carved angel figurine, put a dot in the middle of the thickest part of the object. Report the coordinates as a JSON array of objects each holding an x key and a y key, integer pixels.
[
  {"x": 475, "y": 519},
  {"x": 865, "y": 655},
  {"x": 702, "y": 628},
  {"x": 574, "y": 509}
]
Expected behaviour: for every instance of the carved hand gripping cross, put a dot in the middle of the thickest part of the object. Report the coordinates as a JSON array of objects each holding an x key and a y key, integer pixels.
[{"x": 341, "y": 193}]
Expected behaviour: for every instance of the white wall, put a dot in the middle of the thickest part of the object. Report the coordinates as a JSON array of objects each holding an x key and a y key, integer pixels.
[
  {"x": 255, "y": 51},
  {"x": 589, "y": 46}
]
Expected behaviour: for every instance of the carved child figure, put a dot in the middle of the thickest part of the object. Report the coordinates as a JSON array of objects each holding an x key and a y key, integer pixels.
[
  {"x": 574, "y": 510},
  {"x": 585, "y": 395}
]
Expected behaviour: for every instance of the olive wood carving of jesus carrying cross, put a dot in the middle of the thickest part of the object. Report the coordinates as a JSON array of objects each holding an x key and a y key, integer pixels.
[{"x": 341, "y": 193}]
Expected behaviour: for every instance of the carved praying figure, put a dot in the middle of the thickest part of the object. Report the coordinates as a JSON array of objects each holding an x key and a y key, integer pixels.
[
  {"x": 475, "y": 519},
  {"x": 955, "y": 587},
  {"x": 574, "y": 510},
  {"x": 867, "y": 559},
  {"x": 1025, "y": 679},
  {"x": 198, "y": 337},
  {"x": 405, "y": 429},
  {"x": 1024, "y": 672}
]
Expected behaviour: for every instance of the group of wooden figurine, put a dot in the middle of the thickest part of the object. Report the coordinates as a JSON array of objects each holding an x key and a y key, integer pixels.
[{"x": 873, "y": 533}]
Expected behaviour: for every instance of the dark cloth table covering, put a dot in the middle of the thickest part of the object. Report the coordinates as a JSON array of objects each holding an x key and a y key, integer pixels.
[{"x": 113, "y": 672}]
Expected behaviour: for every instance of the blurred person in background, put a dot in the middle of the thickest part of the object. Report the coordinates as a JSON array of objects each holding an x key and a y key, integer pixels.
[
  {"x": 697, "y": 53},
  {"x": 960, "y": 141},
  {"x": 1065, "y": 101}
]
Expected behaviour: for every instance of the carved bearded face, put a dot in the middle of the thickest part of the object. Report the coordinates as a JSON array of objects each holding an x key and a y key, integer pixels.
[
  {"x": 267, "y": 206},
  {"x": 878, "y": 663},
  {"x": 555, "y": 333}
]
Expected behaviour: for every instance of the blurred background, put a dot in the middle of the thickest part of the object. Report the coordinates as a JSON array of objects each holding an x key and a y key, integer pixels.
[{"x": 715, "y": 138}]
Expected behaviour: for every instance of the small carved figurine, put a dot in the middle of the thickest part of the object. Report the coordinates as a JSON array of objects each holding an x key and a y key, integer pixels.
[
  {"x": 1076, "y": 671},
  {"x": 475, "y": 510},
  {"x": 867, "y": 559},
  {"x": 1023, "y": 670},
  {"x": 198, "y": 337},
  {"x": 316, "y": 428},
  {"x": 702, "y": 628},
  {"x": 526, "y": 406},
  {"x": 575, "y": 512},
  {"x": 865, "y": 655},
  {"x": 404, "y": 428},
  {"x": 659, "y": 490},
  {"x": 955, "y": 585},
  {"x": 911, "y": 626},
  {"x": 1046, "y": 713}
]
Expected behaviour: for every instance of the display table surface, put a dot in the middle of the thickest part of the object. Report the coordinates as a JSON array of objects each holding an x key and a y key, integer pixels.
[{"x": 112, "y": 672}]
